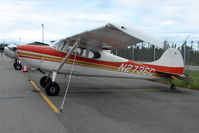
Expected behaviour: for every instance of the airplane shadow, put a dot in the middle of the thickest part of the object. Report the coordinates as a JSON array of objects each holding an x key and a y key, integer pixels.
[
  {"x": 177, "y": 91},
  {"x": 116, "y": 91}
]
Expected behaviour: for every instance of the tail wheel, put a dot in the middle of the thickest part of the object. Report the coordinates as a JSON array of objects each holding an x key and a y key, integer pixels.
[
  {"x": 172, "y": 87},
  {"x": 17, "y": 66},
  {"x": 44, "y": 81},
  {"x": 52, "y": 89}
]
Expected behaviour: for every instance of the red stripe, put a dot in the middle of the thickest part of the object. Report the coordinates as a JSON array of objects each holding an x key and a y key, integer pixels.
[
  {"x": 166, "y": 69},
  {"x": 41, "y": 50}
]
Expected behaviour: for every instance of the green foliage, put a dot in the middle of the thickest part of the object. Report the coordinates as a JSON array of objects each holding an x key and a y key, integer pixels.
[
  {"x": 3, "y": 45},
  {"x": 145, "y": 52},
  {"x": 192, "y": 85}
]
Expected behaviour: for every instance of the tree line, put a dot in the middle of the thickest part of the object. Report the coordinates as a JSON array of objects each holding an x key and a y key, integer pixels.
[
  {"x": 2, "y": 46},
  {"x": 147, "y": 53}
]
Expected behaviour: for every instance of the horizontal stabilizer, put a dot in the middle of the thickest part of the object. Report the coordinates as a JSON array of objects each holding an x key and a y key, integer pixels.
[{"x": 184, "y": 77}]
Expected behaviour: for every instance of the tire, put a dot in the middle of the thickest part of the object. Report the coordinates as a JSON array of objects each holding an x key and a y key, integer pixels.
[
  {"x": 43, "y": 81},
  {"x": 172, "y": 87},
  {"x": 52, "y": 89},
  {"x": 17, "y": 66}
]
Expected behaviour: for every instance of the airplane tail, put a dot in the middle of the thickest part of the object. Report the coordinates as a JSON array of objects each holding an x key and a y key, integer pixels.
[
  {"x": 171, "y": 58},
  {"x": 171, "y": 62}
]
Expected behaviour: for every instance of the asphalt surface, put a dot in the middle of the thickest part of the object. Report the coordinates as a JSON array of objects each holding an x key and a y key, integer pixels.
[{"x": 95, "y": 105}]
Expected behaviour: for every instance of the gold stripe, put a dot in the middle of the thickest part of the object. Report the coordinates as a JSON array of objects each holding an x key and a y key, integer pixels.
[
  {"x": 28, "y": 54},
  {"x": 45, "y": 97}
]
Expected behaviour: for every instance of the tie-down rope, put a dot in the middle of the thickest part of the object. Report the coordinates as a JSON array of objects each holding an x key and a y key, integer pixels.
[{"x": 68, "y": 84}]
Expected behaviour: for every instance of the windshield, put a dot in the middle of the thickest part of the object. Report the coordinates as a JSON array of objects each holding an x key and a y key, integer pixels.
[{"x": 61, "y": 45}]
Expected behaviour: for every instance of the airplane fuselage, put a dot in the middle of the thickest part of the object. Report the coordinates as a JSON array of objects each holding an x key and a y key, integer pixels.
[{"x": 107, "y": 65}]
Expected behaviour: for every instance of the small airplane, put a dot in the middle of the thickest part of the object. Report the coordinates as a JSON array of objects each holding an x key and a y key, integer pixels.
[
  {"x": 85, "y": 54},
  {"x": 10, "y": 51}
]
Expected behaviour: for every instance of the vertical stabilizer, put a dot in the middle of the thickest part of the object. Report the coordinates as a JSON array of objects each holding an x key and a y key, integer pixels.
[
  {"x": 170, "y": 62},
  {"x": 170, "y": 58}
]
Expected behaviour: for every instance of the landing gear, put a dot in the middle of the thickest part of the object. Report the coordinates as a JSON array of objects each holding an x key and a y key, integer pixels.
[
  {"x": 52, "y": 89},
  {"x": 44, "y": 81},
  {"x": 17, "y": 66},
  {"x": 172, "y": 86}
]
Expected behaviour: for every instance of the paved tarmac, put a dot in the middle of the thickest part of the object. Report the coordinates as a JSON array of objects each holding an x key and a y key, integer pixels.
[{"x": 95, "y": 105}]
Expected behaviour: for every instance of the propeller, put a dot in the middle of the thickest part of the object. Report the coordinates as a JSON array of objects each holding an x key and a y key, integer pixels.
[
  {"x": 12, "y": 47},
  {"x": 10, "y": 51}
]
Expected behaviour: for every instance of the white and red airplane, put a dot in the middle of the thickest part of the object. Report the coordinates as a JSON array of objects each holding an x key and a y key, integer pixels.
[{"x": 85, "y": 54}]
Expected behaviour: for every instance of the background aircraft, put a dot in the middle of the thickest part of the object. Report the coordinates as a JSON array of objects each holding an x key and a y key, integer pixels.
[{"x": 10, "y": 51}]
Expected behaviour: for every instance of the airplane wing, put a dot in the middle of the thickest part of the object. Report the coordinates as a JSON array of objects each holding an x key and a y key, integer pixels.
[{"x": 113, "y": 36}]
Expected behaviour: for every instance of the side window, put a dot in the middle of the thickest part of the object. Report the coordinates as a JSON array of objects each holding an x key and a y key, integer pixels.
[
  {"x": 64, "y": 46},
  {"x": 90, "y": 54},
  {"x": 96, "y": 55},
  {"x": 81, "y": 52},
  {"x": 67, "y": 48},
  {"x": 85, "y": 53}
]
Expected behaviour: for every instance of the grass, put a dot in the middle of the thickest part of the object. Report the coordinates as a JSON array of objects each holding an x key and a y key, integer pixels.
[{"x": 186, "y": 84}]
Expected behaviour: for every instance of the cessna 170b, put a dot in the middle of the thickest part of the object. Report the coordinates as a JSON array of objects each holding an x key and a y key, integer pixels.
[{"x": 85, "y": 54}]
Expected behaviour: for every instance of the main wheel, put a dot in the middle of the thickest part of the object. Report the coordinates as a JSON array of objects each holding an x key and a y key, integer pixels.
[
  {"x": 52, "y": 89},
  {"x": 172, "y": 87},
  {"x": 17, "y": 66},
  {"x": 44, "y": 81}
]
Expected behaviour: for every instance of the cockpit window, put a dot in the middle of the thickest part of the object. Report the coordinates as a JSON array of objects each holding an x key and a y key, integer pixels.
[
  {"x": 84, "y": 53},
  {"x": 64, "y": 46}
]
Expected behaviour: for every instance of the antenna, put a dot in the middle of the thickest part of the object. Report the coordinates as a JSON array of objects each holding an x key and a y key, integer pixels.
[{"x": 42, "y": 25}]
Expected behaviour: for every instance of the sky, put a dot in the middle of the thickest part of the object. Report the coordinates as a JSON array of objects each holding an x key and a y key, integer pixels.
[{"x": 171, "y": 20}]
